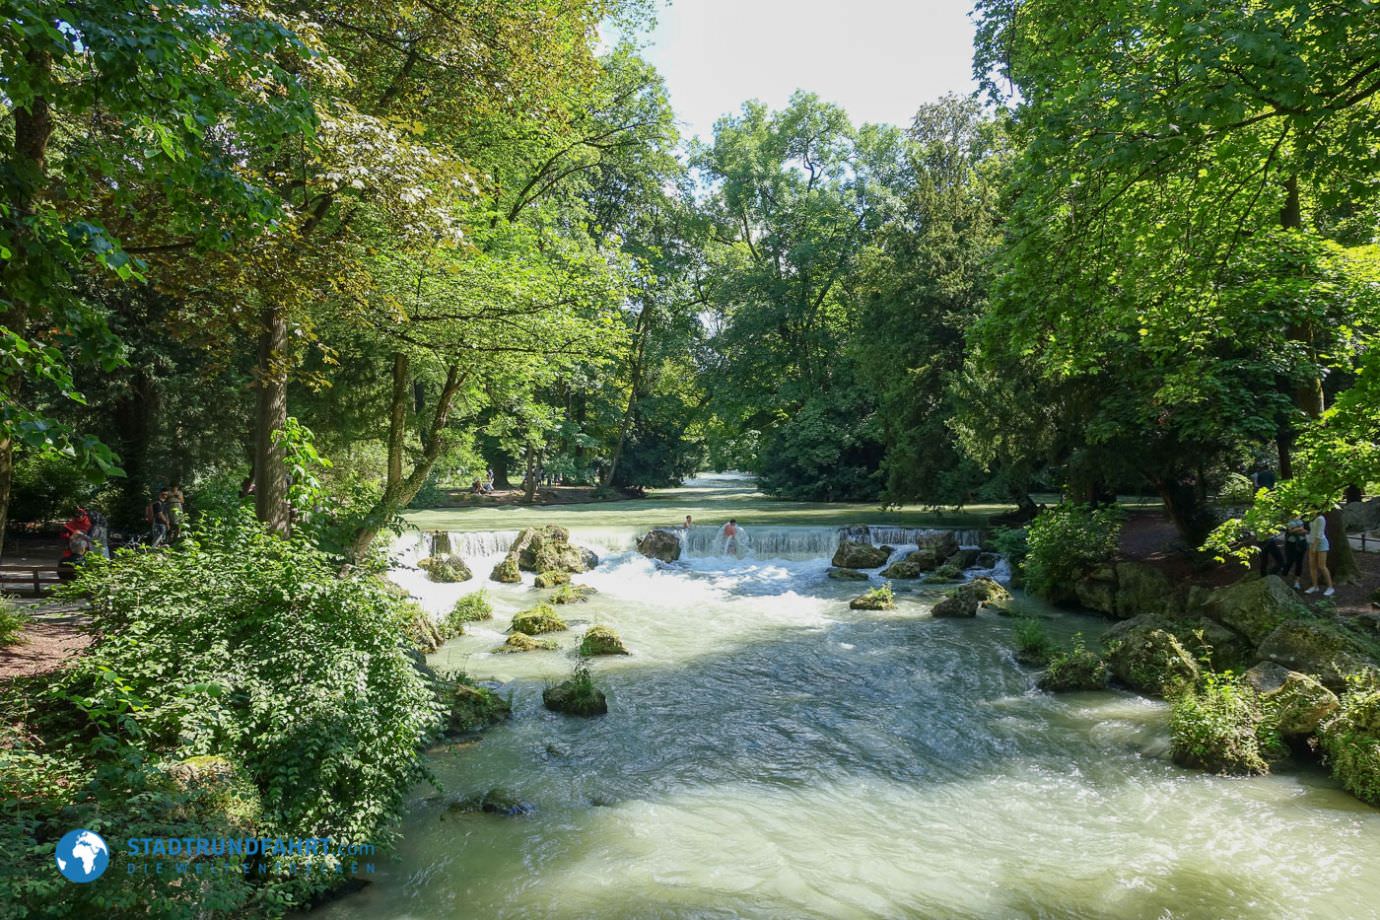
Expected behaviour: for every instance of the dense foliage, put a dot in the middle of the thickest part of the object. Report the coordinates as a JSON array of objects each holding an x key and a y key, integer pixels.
[
  {"x": 237, "y": 645},
  {"x": 1065, "y": 542}
]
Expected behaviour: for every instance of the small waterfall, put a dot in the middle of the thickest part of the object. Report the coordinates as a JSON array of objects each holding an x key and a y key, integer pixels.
[
  {"x": 471, "y": 544},
  {"x": 762, "y": 542},
  {"x": 915, "y": 536}
]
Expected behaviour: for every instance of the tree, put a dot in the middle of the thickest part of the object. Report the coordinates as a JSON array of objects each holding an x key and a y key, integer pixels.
[
  {"x": 1162, "y": 143},
  {"x": 123, "y": 114},
  {"x": 796, "y": 195}
]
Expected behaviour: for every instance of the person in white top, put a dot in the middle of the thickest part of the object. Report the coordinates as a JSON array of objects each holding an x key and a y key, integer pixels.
[{"x": 1317, "y": 555}]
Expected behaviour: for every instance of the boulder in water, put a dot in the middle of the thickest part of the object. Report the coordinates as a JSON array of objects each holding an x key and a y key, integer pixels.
[
  {"x": 963, "y": 558},
  {"x": 471, "y": 707},
  {"x": 521, "y": 642},
  {"x": 877, "y": 599},
  {"x": 839, "y": 574},
  {"x": 445, "y": 569},
  {"x": 1254, "y": 607},
  {"x": 577, "y": 696},
  {"x": 421, "y": 630},
  {"x": 986, "y": 560},
  {"x": 539, "y": 619},
  {"x": 601, "y": 640},
  {"x": 989, "y": 591},
  {"x": 507, "y": 571},
  {"x": 1325, "y": 650},
  {"x": 552, "y": 579},
  {"x": 853, "y": 554},
  {"x": 903, "y": 569},
  {"x": 960, "y": 602},
  {"x": 944, "y": 575},
  {"x": 1078, "y": 668},
  {"x": 494, "y": 802},
  {"x": 548, "y": 549},
  {"x": 659, "y": 544},
  {"x": 1151, "y": 659},
  {"x": 572, "y": 594},
  {"x": 1296, "y": 703}
]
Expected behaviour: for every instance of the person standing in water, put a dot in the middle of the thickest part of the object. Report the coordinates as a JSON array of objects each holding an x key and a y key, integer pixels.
[
  {"x": 730, "y": 535},
  {"x": 1317, "y": 555},
  {"x": 688, "y": 524}
]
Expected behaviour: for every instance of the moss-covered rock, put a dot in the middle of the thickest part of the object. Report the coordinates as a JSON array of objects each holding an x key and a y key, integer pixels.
[
  {"x": 1151, "y": 659},
  {"x": 960, "y": 602},
  {"x": 521, "y": 642},
  {"x": 552, "y": 579},
  {"x": 839, "y": 574},
  {"x": 539, "y": 619},
  {"x": 856, "y": 554},
  {"x": 1323, "y": 649},
  {"x": 989, "y": 591},
  {"x": 507, "y": 572},
  {"x": 902, "y": 569},
  {"x": 1096, "y": 590},
  {"x": 963, "y": 558},
  {"x": 660, "y": 544},
  {"x": 1222, "y": 728},
  {"x": 1077, "y": 668},
  {"x": 1351, "y": 741},
  {"x": 471, "y": 707},
  {"x": 547, "y": 549},
  {"x": 496, "y": 801},
  {"x": 219, "y": 787},
  {"x": 877, "y": 599},
  {"x": 1254, "y": 607},
  {"x": 601, "y": 640},
  {"x": 572, "y": 594},
  {"x": 944, "y": 575},
  {"x": 445, "y": 569},
  {"x": 1293, "y": 702},
  {"x": 577, "y": 696}
]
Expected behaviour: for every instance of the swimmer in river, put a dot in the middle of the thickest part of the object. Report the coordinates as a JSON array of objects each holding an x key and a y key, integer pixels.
[
  {"x": 730, "y": 535},
  {"x": 687, "y": 524}
]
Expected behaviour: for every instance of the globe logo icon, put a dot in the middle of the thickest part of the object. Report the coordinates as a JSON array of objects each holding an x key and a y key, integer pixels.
[{"x": 82, "y": 856}]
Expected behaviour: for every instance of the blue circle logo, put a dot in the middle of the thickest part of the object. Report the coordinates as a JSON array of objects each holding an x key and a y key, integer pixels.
[{"x": 82, "y": 855}]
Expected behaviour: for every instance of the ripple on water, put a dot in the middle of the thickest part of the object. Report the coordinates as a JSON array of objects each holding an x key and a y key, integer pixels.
[{"x": 770, "y": 753}]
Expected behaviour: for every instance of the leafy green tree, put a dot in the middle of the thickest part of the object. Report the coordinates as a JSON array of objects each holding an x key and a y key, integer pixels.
[{"x": 796, "y": 196}]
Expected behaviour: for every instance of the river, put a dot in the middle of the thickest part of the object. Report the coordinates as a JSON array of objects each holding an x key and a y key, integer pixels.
[{"x": 771, "y": 753}]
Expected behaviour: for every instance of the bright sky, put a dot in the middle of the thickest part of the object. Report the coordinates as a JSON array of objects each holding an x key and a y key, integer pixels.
[{"x": 879, "y": 59}]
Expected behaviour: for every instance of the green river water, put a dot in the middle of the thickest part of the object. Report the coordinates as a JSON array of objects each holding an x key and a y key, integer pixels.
[{"x": 771, "y": 753}]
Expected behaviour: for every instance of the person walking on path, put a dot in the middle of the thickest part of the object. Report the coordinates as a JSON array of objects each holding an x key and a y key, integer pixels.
[
  {"x": 157, "y": 516},
  {"x": 177, "y": 511},
  {"x": 1317, "y": 555}
]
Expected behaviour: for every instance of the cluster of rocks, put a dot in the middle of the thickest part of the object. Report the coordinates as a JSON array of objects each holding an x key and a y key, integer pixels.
[
  {"x": 546, "y": 551},
  {"x": 937, "y": 559},
  {"x": 1309, "y": 676}
]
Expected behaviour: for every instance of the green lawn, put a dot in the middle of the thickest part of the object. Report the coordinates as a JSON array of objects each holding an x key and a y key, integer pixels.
[{"x": 708, "y": 505}]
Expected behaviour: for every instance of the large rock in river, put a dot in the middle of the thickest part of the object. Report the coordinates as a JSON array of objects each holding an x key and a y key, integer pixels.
[
  {"x": 1159, "y": 655},
  {"x": 1254, "y": 607},
  {"x": 854, "y": 554},
  {"x": 1297, "y": 702},
  {"x": 547, "y": 549},
  {"x": 662, "y": 545},
  {"x": 1324, "y": 650}
]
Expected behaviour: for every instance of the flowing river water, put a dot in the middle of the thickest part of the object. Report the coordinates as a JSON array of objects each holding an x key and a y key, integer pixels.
[{"x": 771, "y": 753}]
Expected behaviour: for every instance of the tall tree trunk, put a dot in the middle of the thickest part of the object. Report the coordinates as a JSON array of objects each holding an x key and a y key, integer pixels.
[
  {"x": 136, "y": 416},
  {"x": 529, "y": 494},
  {"x": 33, "y": 129},
  {"x": 270, "y": 416},
  {"x": 401, "y": 488},
  {"x": 634, "y": 384},
  {"x": 1181, "y": 501}
]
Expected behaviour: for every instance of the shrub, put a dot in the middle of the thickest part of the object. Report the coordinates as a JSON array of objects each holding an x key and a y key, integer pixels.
[
  {"x": 1075, "y": 669},
  {"x": 1033, "y": 645},
  {"x": 876, "y": 599},
  {"x": 1236, "y": 490},
  {"x": 12, "y": 622},
  {"x": 577, "y": 696},
  {"x": 469, "y": 609},
  {"x": 1221, "y": 727},
  {"x": 1065, "y": 542},
  {"x": 1351, "y": 741},
  {"x": 252, "y": 647}
]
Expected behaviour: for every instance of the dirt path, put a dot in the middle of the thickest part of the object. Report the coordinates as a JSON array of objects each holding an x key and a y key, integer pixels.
[{"x": 57, "y": 631}]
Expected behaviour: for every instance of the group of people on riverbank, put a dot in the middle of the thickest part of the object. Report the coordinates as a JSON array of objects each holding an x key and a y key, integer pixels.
[{"x": 1285, "y": 553}]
